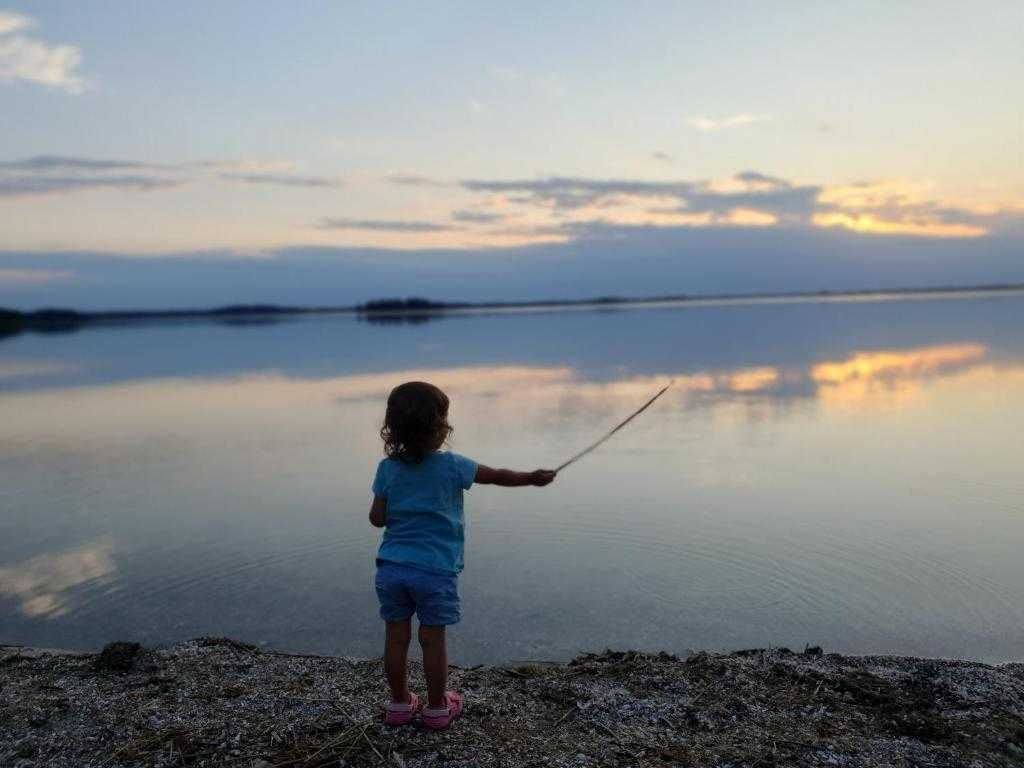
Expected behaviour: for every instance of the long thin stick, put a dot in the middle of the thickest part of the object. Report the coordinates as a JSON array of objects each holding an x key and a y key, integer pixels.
[{"x": 632, "y": 416}]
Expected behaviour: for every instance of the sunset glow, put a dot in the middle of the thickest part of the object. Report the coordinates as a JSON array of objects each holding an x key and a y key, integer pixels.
[{"x": 344, "y": 165}]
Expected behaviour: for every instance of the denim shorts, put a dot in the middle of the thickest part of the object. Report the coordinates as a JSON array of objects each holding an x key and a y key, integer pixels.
[{"x": 404, "y": 590}]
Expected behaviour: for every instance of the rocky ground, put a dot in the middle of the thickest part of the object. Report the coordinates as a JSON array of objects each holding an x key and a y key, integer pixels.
[{"x": 218, "y": 702}]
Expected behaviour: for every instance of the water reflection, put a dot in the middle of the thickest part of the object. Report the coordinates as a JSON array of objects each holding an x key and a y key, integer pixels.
[
  {"x": 42, "y": 584},
  {"x": 874, "y": 378},
  {"x": 511, "y": 393},
  {"x": 868, "y": 378},
  {"x": 15, "y": 369},
  {"x": 408, "y": 318},
  {"x": 783, "y": 491}
]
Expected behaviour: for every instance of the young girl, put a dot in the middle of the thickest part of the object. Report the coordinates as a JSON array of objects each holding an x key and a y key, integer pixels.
[{"x": 417, "y": 499}]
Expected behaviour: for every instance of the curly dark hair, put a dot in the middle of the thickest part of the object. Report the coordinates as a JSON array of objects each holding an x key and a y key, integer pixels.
[{"x": 416, "y": 421}]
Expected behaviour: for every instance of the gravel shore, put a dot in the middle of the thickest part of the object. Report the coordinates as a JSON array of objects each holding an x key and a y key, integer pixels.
[{"x": 220, "y": 702}]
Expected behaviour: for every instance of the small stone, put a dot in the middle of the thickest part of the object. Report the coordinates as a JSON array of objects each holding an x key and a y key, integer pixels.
[{"x": 118, "y": 656}]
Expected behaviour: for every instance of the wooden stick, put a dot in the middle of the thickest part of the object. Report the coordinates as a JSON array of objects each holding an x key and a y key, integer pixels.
[{"x": 632, "y": 416}]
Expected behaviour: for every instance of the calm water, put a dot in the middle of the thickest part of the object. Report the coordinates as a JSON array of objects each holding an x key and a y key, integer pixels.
[{"x": 844, "y": 473}]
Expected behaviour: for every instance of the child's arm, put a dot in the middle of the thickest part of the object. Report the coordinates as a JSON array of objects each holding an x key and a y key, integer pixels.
[
  {"x": 377, "y": 510},
  {"x": 512, "y": 479}
]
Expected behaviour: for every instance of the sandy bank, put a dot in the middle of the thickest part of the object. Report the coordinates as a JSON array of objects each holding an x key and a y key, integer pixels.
[{"x": 215, "y": 702}]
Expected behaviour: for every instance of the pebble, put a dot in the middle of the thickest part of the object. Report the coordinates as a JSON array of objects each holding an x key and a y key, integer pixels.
[{"x": 228, "y": 701}]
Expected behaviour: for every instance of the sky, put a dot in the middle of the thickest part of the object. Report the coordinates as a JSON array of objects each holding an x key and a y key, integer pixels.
[{"x": 188, "y": 154}]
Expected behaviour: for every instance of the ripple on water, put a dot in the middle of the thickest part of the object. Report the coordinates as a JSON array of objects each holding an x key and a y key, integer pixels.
[
  {"x": 227, "y": 567},
  {"x": 812, "y": 569}
]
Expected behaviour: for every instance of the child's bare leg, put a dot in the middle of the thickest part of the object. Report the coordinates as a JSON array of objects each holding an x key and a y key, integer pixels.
[
  {"x": 396, "y": 647},
  {"x": 435, "y": 664}
]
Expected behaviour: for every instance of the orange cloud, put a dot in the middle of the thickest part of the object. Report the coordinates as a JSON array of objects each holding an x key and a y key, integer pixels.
[
  {"x": 870, "y": 224},
  {"x": 902, "y": 207}
]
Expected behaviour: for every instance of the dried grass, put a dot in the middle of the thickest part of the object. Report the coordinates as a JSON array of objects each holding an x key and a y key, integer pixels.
[{"x": 217, "y": 702}]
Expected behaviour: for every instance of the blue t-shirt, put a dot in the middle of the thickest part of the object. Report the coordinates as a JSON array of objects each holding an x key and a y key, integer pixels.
[{"x": 424, "y": 520}]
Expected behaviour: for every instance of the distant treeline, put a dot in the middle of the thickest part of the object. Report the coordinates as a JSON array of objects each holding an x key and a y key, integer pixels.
[
  {"x": 62, "y": 320},
  {"x": 410, "y": 309},
  {"x": 413, "y": 304},
  {"x": 426, "y": 305},
  {"x": 12, "y": 321}
]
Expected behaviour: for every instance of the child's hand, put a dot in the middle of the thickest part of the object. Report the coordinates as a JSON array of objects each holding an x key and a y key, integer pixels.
[{"x": 541, "y": 477}]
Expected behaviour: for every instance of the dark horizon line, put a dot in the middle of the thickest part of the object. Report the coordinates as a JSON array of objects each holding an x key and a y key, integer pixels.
[{"x": 421, "y": 306}]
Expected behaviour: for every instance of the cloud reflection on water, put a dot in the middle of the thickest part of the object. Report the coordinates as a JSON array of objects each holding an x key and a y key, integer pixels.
[
  {"x": 221, "y": 473},
  {"x": 865, "y": 379},
  {"x": 41, "y": 583},
  {"x": 14, "y": 369},
  {"x": 881, "y": 378}
]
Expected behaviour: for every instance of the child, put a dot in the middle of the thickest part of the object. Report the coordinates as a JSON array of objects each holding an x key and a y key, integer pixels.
[{"x": 417, "y": 499}]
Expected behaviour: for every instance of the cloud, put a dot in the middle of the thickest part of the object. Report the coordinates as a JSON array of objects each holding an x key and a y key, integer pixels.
[
  {"x": 52, "y": 174},
  {"x": 902, "y": 208},
  {"x": 707, "y": 124},
  {"x": 244, "y": 166},
  {"x": 44, "y": 163},
  {"x": 905, "y": 224},
  {"x": 33, "y": 276},
  {"x": 788, "y": 204},
  {"x": 276, "y": 172},
  {"x": 583, "y": 207},
  {"x": 754, "y": 177},
  {"x": 13, "y": 22},
  {"x": 27, "y": 58},
  {"x": 477, "y": 217},
  {"x": 591, "y": 260},
  {"x": 48, "y": 174},
  {"x": 662, "y": 156},
  {"x": 414, "y": 180},
  {"x": 383, "y": 225},
  {"x": 753, "y": 191},
  {"x": 20, "y": 185},
  {"x": 571, "y": 192},
  {"x": 281, "y": 179}
]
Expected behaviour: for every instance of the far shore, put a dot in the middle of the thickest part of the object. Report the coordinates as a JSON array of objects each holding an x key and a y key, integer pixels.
[
  {"x": 413, "y": 308},
  {"x": 223, "y": 702}
]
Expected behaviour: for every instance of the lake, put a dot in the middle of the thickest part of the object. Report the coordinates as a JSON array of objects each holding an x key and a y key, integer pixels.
[{"x": 843, "y": 473}]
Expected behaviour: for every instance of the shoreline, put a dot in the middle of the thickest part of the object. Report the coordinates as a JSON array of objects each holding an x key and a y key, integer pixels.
[
  {"x": 58, "y": 320},
  {"x": 219, "y": 702}
]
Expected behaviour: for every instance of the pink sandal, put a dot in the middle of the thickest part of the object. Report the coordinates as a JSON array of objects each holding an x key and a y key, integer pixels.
[
  {"x": 401, "y": 714},
  {"x": 440, "y": 718}
]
